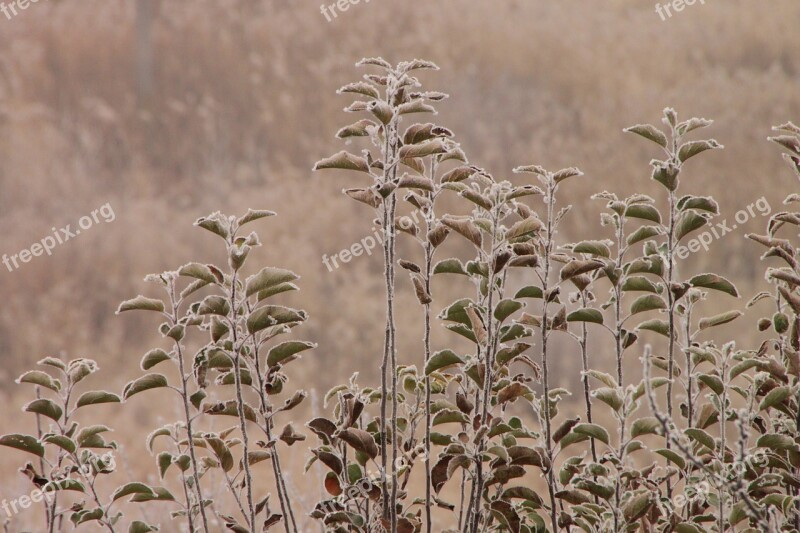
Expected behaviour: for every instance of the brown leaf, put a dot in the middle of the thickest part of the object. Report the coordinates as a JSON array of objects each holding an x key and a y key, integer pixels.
[{"x": 359, "y": 440}]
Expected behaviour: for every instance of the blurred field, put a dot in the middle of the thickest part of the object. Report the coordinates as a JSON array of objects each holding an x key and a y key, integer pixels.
[{"x": 241, "y": 104}]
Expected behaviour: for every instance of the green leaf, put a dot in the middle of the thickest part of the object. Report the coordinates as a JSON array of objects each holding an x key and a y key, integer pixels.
[
  {"x": 198, "y": 271},
  {"x": 26, "y": 443},
  {"x": 672, "y": 457},
  {"x": 456, "y": 312},
  {"x": 230, "y": 408},
  {"x": 643, "y": 212},
  {"x": 154, "y": 357},
  {"x": 450, "y": 266},
  {"x": 505, "y": 355},
  {"x": 96, "y": 397},
  {"x": 52, "y": 361},
  {"x": 441, "y": 360},
  {"x": 449, "y": 416},
  {"x": 273, "y": 315},
  {"x": 644, "y": 232},
  {"x": 648, "y": 425},
  {"x": 506, "y": 308},
  {"x": 37, "y": 377},
  {"x": 639, "y": 284},
  {"x": 702, "y": 437},
  {"x": 692, "y": 148},
  {"x": 131, "y": 488},
  {"x": 648, "y": 302},
  {"x": 214, "y": 305},
  {"x": 147, "y": 382},
  {"x": 592, "y": 247},
  {"x": 592, "y": 430},
  {"x": 46, "y": 408},
  {"x": 89, "y": 437},
  {"x": 61, "y": 441},
  {"x": 775, "y": 397},
  {"x": 609, "y": 396},
  {"x": 521, "y": 493},
  {"x": 138, "y": 526},
  {"x": 267, "y": 278},
  {"x": 86, "y": 515},
  {"x": 649, "y": 132},
  {"x": 277, "y": 289},
  {"x": 164, "y": 462},
  {"x": 718, "y": 320},
  {"x": 646, "y": 265},
  {"x": 221, "y": 451},
  {"x": 529, "y": 292},
  {"x": 586, "y": 315},
  {"x": 67, "y": 484},
  {"x": 777, "y": 442},
  {"x": 216, "y": 223},
  {"x": 686, "y": 527},
  {"x": 637, "y": 506},
  {"x": 141, "y": 303},
  {"x": 602, "y": 377},
  {"x": 284, "y": 350},
  {"x": 714, "y": 282},
  {"x": 701, "y": 203},
  {"x": 689, "y": 222},
  {"x": 159, "y": 494},
  {"x": 253, "y": 215},
  {"x": 658, "y": 326},
  {"x": 712, "y": 382},
  {"x": 690, "y": 125}
]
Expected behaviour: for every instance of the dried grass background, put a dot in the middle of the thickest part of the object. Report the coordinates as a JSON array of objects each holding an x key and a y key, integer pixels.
[{"x": 243, "y": 103}]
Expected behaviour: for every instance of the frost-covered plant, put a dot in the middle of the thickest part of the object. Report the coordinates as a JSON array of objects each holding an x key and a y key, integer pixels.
[
  {"x": 71, "y": 456},
  {"x": 485, "y": 418},
  {"x": 507, "y": 236},
  {"x": 387, "y": 98},
  {"x": 242, "y": 322}
]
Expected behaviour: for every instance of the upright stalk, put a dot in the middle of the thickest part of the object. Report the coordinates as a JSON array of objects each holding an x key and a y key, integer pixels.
[
  {"x": 670, "y": 301},
  {"x": 187, "y": 415},
  {"x": 427, "y": 350},
  {"x": 487, "y": 373},
  {"x": 548, "y": 248},
  {"x": 240, "y": 404},
  {"x": 587, "y": 398}
]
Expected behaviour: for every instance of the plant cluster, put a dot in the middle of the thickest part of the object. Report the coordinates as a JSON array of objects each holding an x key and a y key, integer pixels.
[{"x": 695, "y": 435}]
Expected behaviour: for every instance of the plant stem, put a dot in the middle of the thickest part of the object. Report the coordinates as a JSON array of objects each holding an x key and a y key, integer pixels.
[
  {"x": 671, "y": 301},
  {"x": 487, "y": 373},
  {"x": 283, "y": 496},
  {"x": 251, "y": 520},
  {"x": 587, "y": 398},
  {"x": 551, "y": 483},
  {"x": 427, "y": 348},
  {"x": 187, "y": 415}
]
